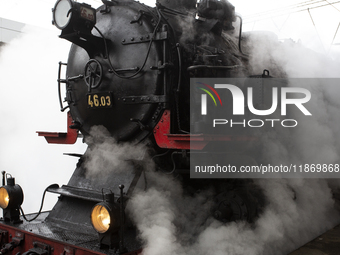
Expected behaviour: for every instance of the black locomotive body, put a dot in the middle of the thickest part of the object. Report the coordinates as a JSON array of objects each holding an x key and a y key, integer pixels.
[
  {"x": 124, "y": 76},
  {"x": 129, "y": 71}
]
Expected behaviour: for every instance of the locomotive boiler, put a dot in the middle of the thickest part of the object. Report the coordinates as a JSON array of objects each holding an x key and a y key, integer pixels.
[{"x": 128, "y": 75}]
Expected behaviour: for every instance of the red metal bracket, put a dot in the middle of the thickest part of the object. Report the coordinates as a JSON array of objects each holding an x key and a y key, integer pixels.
[
  {"x": 3, "y": 237},
  {"x": 62, "y": 138},
  {"x": 165, "y": 139}
]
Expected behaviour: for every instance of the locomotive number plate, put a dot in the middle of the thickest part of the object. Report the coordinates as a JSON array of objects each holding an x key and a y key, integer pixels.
[{"x": 99, "y": 100}]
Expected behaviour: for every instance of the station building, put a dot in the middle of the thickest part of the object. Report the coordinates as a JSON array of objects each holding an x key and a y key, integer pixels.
[{"x": 9, "y": 29}]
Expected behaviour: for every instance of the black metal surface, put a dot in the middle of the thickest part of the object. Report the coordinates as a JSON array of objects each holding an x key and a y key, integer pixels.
[
  {"x": 122, "y": 217},
  {"x": 62, "y": 108},
  {"x": 150, "y": 99},
  {"x": 115, "y": 26},
  {"x": 144, "y": 38},
  {"x": 75, "y": 192},
  {"x": 70, "y": 218},
  {"x": 326, "y": 244},
  {"x": 89, "y": 188},
  {"x": 93, "y": 74}
]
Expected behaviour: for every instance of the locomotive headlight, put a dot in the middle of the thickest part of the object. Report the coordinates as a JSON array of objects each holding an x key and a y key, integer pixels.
[
  {"x": 4, "y": 198},
  {"x": 11, "y": 195},
  {"x": 105, "y": 217},
  {"x": 71, "y": 16},
  {"x": 100, "y": 218},
  {"x": 11, "y": 198},
  {"x": 62, "y": 13}
]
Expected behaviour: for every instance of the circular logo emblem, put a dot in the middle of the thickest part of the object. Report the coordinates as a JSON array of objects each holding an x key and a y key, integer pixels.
[{"x": 93, "y": 73}]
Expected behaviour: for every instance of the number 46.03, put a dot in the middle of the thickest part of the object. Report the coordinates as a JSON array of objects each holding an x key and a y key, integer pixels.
[{"x": 95, "y": 101}]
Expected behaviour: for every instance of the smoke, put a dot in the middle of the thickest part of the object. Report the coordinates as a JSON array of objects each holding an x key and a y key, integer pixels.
[
  {"x": 166, "y": 217},
  {"x": 171, "y": 222},
  {"x": 105, "y": 156},
  {"x": 287, "y": 57},
  {"x": 297, "y": 210},
  {"x": 315, "y": 139}
]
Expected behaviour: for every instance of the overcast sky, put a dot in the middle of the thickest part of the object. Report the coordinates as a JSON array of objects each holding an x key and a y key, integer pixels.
[
  {"x": 288, "y": 18},
  {"x": 278, "y": 16}
]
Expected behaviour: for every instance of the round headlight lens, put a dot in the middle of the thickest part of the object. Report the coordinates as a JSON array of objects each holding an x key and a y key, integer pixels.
[
  {"x": 4, "y": 198},
  {"x": 61, "y": 14},
  {"x": 101, "y": 219}
]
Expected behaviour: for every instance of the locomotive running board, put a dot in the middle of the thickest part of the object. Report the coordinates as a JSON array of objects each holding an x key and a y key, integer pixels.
[
  {"x": 78, "y": 197},
  {"x": 84, "y": 194},
  {"x": 62, "y": 138},
  {"x": 165, "y": 139}
]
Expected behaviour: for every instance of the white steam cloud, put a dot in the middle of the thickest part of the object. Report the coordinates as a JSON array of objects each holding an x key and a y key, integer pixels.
[
  {"x": 172, "y": 223},
  {"x": 106, "y": 157},
  {"x": 315, "y": 139},
  {"x": 297, "y": 210},
  {"x": 29, "y": 103}
]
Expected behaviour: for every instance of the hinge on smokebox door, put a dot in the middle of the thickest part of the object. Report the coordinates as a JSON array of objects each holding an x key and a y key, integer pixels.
[{"x": 163, "y": 35}]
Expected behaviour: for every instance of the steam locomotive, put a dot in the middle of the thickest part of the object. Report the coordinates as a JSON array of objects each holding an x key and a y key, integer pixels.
[{"x": 129, "y": 71}]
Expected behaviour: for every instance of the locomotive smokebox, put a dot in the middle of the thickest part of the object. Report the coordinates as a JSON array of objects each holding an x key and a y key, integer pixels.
[{"x": 121, "y": 81}]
